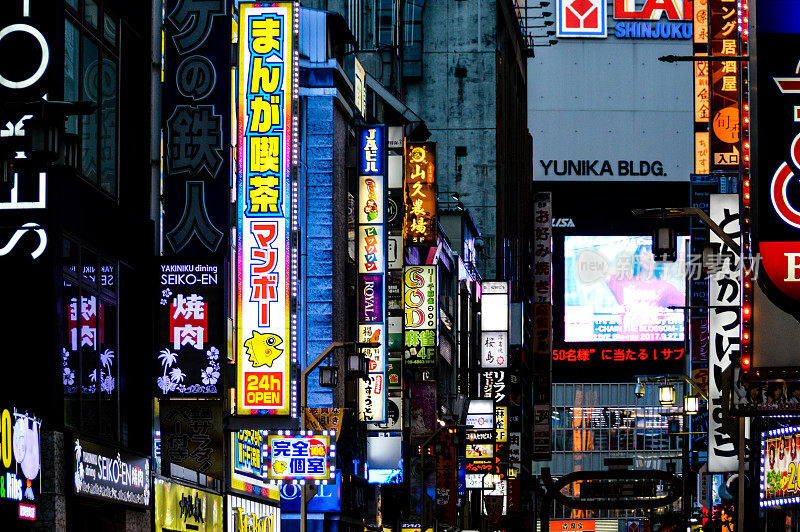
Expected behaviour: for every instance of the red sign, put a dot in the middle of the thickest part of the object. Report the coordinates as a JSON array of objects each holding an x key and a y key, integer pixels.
[
  {"x": 617, "y": 354},
  {"x": 584, "y": 525}
]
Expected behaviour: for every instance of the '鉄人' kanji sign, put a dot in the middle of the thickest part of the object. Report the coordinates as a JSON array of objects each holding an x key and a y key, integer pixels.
[{"x": 267, "y": 71}]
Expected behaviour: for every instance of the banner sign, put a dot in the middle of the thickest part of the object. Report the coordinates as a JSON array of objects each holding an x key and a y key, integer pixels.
[
  {"x": 191, "y": 436},
  {"x": 320, "y": 419},
  {"x": 419, "y": 228},
  {"x": 775, "y": 93},
  {"x": 724, "y": 23},
  {"x": 267, "y": 108},
  {"x": 248, "y": 456},
  {"x": 21, "y": 464},
  {"x": 422, "y": 415},
  {"x": 542, "y": 324},
  {"x": 494, "y": 349},
  {"x": 304, "y": 455},
  {"x": 421, "y": 315},
  {"x": 372, "y": 270},
  {"x": 779, "y": 467},
  {"x": 724, "y": 324},
  {"x": 196, "y": 125},
  {"x": 110, "y": 474},
  {"x": 190, "y": 327},
  {"x": 182, "y": 509}
]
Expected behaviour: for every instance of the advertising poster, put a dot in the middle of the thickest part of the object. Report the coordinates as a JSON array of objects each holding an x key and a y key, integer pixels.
[
  {"x": 110, "y": 474},
  {"x": 21, "y": 464},
  {"x": 196, "y": 125},
  {"x": 191, "y": 436},
  {"x": 191, "y": 321},
  {"x": 422, "y": 417},
  {"x": 779, "y": 466},
  {"x": 182, "y": 509},
  {"x": 266, "y": 114}
]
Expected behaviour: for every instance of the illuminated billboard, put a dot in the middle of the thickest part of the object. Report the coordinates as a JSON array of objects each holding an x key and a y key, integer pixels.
[
  {"x": 301, "y": 456},
  {"x": 248, "y": 456},
  {"x": 372, "y": 285},
  {"x": 421, "y": 311},
  {"x": 614, "y": 291},
  {"x": 183, "y": 509},
  {"x": 265, "y": 165},
  {"x": 419, "y": 228}
]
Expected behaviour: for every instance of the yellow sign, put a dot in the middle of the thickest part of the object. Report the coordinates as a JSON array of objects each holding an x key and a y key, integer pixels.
[{"x": 178, "y": 508}]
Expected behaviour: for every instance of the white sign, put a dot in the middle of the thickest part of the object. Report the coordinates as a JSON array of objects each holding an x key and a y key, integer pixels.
[
  {"x": 724, "y": 301},
  {"x": 494, "y": 349},
  {"x": 360, "y": 89}
]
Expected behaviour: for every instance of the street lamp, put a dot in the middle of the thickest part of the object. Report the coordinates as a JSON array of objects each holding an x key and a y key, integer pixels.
[
  {"x": 691, "y": 404},
  {"x": 666, "y": 395}
]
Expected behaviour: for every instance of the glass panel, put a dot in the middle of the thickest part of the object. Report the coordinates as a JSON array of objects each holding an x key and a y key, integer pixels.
[
  {"x": 90, "y": 12},
  {"x": 89, "y": 133},
  {"x": 89, "y": 265},
  {"x": 73, "y": 4},
  {"x": 70, "y": 355},
  {"x": 108, "y": 368},
  {"x": 88, "y": 343},
  {"x": 108, "y": 139},
  {"x": 110, "y": 29},
  {"x": 71, "y": 76}
]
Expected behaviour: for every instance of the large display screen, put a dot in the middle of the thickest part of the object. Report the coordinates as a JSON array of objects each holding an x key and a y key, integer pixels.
[{"x": 614, "y": 290}]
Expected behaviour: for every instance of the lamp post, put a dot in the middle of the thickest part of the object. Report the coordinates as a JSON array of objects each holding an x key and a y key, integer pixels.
[{"x": 304, "y": 404}]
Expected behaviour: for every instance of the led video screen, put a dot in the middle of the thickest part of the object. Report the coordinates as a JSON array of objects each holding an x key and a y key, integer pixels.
[{"x": 614, "y": 290}]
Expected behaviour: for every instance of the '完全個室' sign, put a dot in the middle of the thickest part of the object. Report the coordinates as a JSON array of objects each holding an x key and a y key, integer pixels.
[
  {"x": 267, "y": 72},
  {"x": 303, "y": 455}
]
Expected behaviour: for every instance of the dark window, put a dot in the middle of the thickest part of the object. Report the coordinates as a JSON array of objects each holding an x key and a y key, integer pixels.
[
  {"x": 384, "y": 23},
  {"x": 90, "y": 74},
  {"x": 90, "y": 346}
]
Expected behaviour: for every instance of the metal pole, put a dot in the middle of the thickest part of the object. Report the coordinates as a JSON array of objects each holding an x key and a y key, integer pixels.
[
  {"x": 741, "y": 499},
  {"x": 303, "y": 404}
]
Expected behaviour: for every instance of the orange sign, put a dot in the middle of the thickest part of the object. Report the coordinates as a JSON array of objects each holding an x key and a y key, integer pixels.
[{"x": 419, "y": 228}]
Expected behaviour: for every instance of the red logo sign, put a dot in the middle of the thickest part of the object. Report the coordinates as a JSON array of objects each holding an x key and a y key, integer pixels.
[{"x": 581, "y": 18}]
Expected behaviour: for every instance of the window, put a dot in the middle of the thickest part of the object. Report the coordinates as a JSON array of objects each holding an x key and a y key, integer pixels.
[
  {"x": 89, "y": 354},
  {"x": 90, "y": 74},
  {"x": 385, "y": 23}
]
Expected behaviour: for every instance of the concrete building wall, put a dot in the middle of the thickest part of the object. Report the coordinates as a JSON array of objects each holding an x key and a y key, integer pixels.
[{"x": 456, "y": 96}]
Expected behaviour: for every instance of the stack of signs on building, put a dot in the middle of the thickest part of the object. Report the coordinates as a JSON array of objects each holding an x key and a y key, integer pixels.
[
  {"x": 196, "y": 126},
  {"x": 266, "y": 226},
  {"x": 371, "y": 254}
]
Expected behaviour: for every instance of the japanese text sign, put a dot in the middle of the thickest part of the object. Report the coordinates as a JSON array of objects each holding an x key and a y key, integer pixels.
[
  {"x": 724, "y": 19},
  {"x": 419, "y": 228},
  {"x": 196, "y": 125},
  {"x": 180, "y": 508},
  {"x": 724, "y": 322},
  {"x": 265, "y": 142},
  {"x": 494, "y": 349},
  {"x": 21, "y": 464},
  {"x": 248, "y": 458},
  {"x": 111, "y": 474},
  {"x": 301, "y": 456},
  {"x": 191, "y": 436},
  {"x": 421, "y": 311},
  {"x": 191, "y": 327}
]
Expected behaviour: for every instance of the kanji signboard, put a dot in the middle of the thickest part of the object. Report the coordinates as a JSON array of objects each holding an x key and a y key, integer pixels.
[
  {"x": 421, "y": 311},
  {"x": 267, "y": 104},
  {"x": 419, "y": 228},
  {"x": 303, "y": 455},
  {"x": 191, "y": 436},
  {"x": 196, "y": 124},
  {"x": 191, "y": 327}
]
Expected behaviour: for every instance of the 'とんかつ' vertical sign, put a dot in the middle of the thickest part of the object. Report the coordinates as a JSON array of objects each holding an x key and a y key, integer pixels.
[
  {"x": 419, "y": 166},
  {"x": 266, "y": 140}
]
